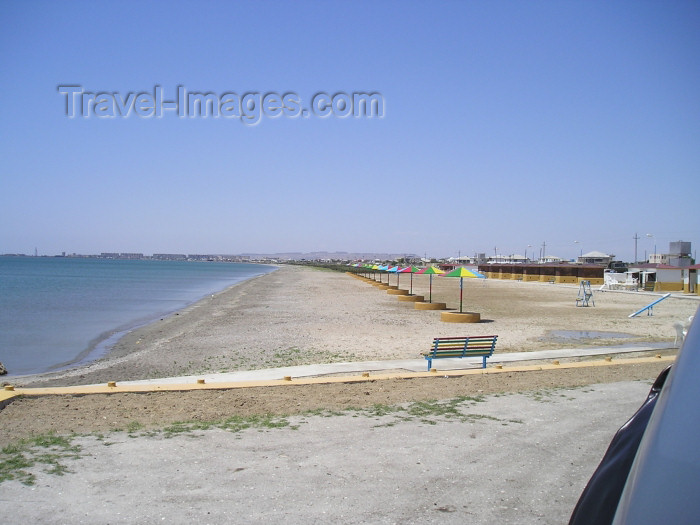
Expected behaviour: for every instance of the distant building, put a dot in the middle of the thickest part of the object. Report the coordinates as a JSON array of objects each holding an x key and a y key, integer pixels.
[
  {"x": 658, "y": 258},
  {"x": 548, "y": 259},
  {"x": 679, "y": 254},
  {"x": 170, "y": 256},
  {"x": 596, "y": 258}
]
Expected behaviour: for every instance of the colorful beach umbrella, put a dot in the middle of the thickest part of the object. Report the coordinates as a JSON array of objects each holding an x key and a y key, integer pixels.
[
  {"x": 383, "y": 268},
  {"x": 393, "y": 269},
  {"x": 411, "y": 270},
  {"x": 431, "y": 270},
  {"x": 463, "y": 273}
]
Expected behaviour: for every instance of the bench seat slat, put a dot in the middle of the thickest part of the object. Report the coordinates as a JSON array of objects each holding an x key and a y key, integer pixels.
[
  {"x": 460, "y": 354},
  {"x": 467, "y": 337},
  {"x": 486, "y": 350}
]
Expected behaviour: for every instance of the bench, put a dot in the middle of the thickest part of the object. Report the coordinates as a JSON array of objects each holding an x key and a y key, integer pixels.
[{"x": 471, "y": 346}]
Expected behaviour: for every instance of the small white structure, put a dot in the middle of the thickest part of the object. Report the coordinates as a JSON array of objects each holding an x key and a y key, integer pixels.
[{"x": 619, "y": 281}]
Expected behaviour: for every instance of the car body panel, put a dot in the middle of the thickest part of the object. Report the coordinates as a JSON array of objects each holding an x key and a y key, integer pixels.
[{"x": 663, "y": 485}]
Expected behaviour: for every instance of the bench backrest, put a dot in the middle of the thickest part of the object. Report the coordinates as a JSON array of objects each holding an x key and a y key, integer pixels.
[{"x": 464, "y": 346}]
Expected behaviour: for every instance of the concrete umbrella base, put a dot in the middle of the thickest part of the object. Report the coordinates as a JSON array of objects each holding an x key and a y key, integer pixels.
[
  {"x": 430, "y": 306},
  {"x": 411, "y": 298},
  {"x": 460, "y": 317}
]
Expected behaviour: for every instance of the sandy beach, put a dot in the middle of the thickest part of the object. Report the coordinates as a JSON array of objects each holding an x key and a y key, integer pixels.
[{"x": 298, "y": 315}]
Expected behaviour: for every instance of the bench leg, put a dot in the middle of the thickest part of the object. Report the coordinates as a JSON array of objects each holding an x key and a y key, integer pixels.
[
  {"x": 430, "y": 362},
  {"x": 484, "y": 362}
]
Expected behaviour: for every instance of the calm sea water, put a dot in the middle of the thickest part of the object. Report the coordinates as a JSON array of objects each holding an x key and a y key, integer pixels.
[{"x": 58, "y": 311}]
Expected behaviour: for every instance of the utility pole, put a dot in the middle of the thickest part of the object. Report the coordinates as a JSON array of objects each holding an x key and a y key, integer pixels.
[
  {"x": 544, "y": 246},
  {"x": 636, "y": 238}
]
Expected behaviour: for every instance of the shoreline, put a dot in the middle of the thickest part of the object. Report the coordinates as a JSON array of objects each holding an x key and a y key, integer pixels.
[
  {"x": 112, "y": 305},
  {"x": 121, "y": 347},
  {"x": 299, "y": 315}
]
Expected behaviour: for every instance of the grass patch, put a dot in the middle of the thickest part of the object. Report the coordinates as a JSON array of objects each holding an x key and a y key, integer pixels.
[
  {"x": 231, "y": 424},
  {"x": 548, "y": 394},
  {"x": 429, "y": 412},
  {"x": 47, "y": 451}
]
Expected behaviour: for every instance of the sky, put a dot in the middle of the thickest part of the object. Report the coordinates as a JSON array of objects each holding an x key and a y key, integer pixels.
[{"x": 498, "y": 127}]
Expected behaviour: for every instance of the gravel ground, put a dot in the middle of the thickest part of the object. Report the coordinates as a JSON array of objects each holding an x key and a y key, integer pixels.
[{"x": 507, "y": 458}]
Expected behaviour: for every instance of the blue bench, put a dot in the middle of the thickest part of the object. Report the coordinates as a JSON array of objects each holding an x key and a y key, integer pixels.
[{"x": 468, "y": 346}]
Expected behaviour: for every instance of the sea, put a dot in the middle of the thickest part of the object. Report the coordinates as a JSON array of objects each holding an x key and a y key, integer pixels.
[{"x": 57, "y": 312}]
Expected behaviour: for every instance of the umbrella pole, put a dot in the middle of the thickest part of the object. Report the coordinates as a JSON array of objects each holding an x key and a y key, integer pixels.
[
  {"x": 411, "y": 292},
  {"x": 460, "y": 294},
  {"x": 430, "y": 300}
]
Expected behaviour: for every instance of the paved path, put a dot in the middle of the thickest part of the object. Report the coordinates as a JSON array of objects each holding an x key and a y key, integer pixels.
[{"x": 409, "y": 365}]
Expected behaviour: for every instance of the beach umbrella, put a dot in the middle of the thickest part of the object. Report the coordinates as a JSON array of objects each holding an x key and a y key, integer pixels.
[
  {"x": 393, "y": 269},
  {"x": 431, "y": 270},
  {"x": 411, "y": 270},
  {"x": 463, "y": 273}
]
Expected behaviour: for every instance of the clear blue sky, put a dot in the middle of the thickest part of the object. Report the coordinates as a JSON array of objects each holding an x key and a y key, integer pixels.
[{"x": 506, "y": 124}]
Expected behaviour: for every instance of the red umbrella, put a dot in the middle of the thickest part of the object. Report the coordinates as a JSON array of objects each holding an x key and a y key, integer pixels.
[{"x": 411, "y": 270}]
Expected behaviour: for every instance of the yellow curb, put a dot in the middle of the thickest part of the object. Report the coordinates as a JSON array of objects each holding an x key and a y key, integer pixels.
[{"x": 287, "y": 380}]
